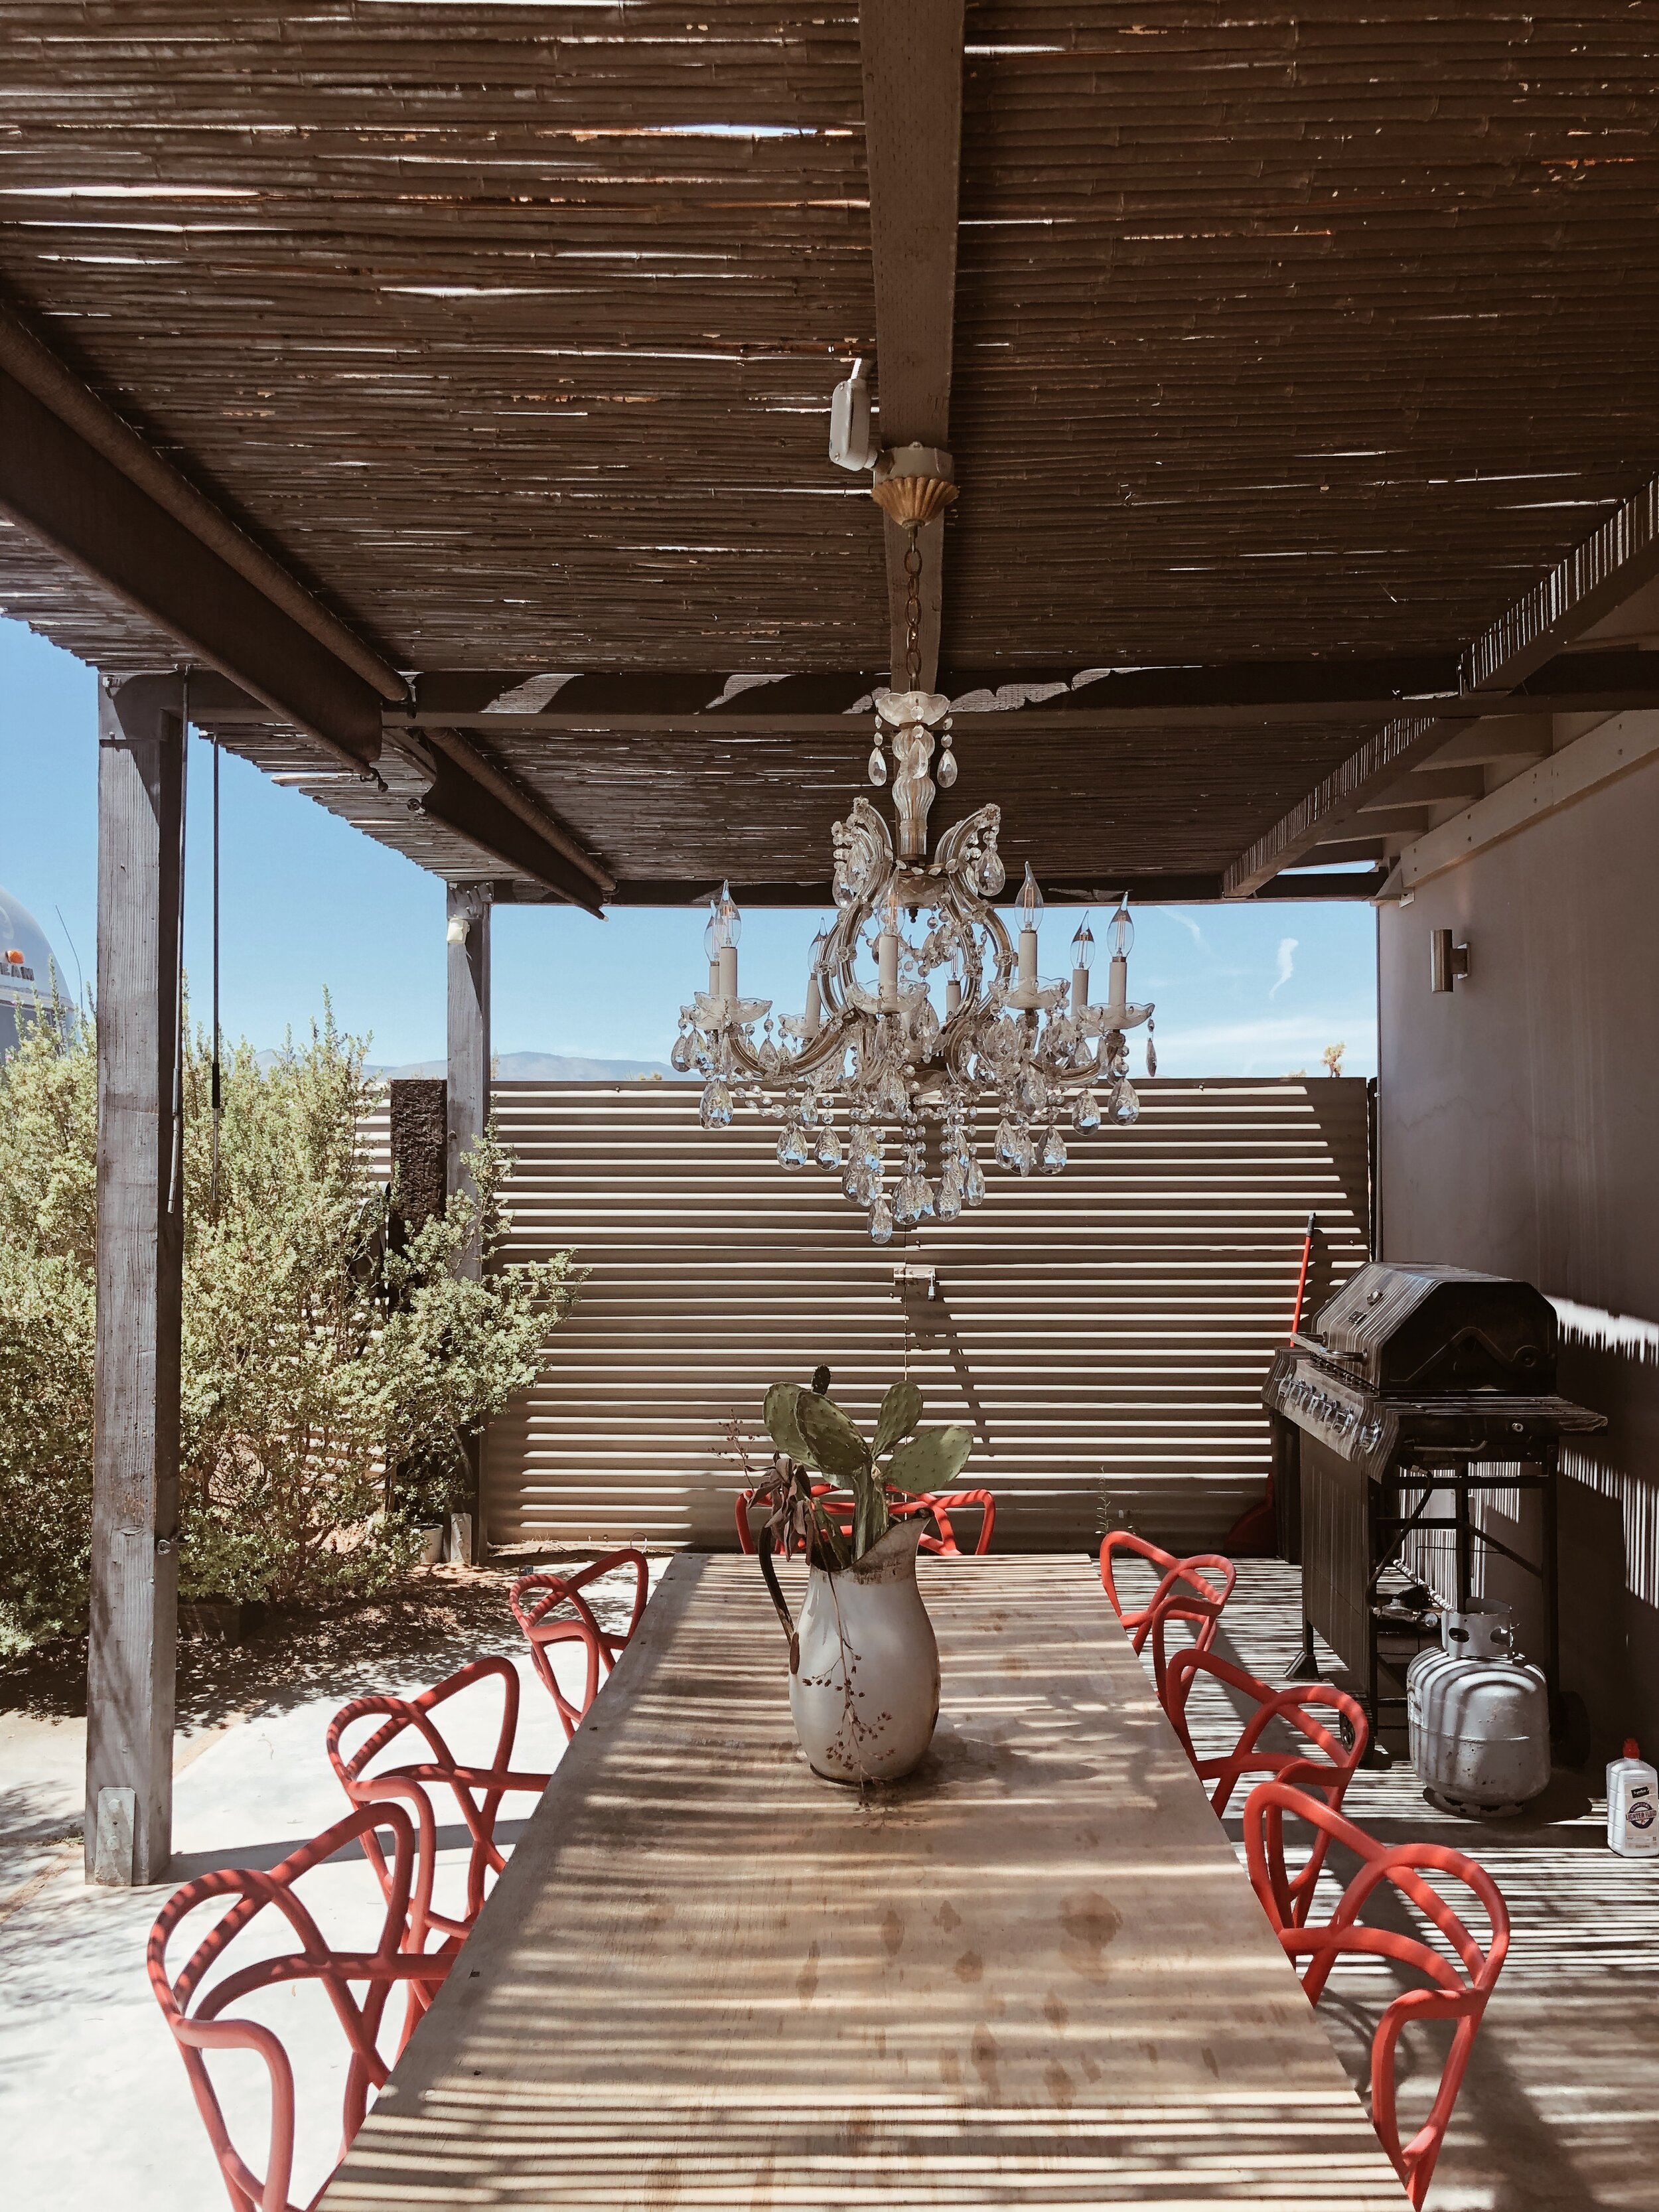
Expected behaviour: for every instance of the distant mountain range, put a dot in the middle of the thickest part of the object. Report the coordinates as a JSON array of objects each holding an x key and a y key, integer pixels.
[{"x": 550, "y": 1067}]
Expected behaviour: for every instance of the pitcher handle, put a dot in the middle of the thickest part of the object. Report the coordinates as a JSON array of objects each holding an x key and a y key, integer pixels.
[{"x": 769, "y": 1573}]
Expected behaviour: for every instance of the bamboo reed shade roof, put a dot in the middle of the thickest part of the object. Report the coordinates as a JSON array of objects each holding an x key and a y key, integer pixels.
[
  {"x": 511, "y": 330},
  {"x": 705, "y": 804}
]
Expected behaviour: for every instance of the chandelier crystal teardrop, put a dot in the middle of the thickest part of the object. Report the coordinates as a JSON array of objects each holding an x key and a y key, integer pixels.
[{"x": 925, "y": 1023}]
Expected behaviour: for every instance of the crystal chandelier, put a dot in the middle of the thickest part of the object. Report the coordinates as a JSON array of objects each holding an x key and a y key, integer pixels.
[{"x": 924, "y": 1018}]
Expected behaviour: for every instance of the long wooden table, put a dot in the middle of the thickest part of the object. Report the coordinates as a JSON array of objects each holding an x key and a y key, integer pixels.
[{"x": 1033, "y": 1974}]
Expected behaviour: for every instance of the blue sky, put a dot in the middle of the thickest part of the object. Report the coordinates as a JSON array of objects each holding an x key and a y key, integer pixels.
[{"x": 310, "y": 904}]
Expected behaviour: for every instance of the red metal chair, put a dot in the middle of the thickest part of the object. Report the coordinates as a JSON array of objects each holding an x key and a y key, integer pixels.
[
  {"x": 196, "y": 2014},
  {"x": 941, "y": 1539},
  {"x": 1193, "y": 1589},
  {"x": 1451, "y": 1994},
  {"x": 939, "y": 1506},
  {"x": 1321, "y": 1761},
  {"x": 477, "y": 1790},
  {"x": 537, "y": 1597}
]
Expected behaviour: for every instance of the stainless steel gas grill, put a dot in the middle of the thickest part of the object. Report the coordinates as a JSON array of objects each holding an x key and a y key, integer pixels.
[{"x": 1417, "y": 1390}]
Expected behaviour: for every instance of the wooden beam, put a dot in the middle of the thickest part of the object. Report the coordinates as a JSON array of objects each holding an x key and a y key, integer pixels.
[
  {"x": 466, "y": 907},
  {"x": 1589, "y": 584},
  {"x": 474, "y": 767},
  {"x": 68, "y": 493},
  {"x": 455, "y": 780},
  {"x": 1327, "y": 884},
  {"x": 135, "y": 1509},
  {"x": 466, "y": 913},
  {"x": 455, "y": 798},
  {"x": 1193, "y": 889},
  {"x": 1504, "y": 737},
  {"x": 912, "y": 57},
  {"x": 1248, "y": 695},
  {"x": 1600, "y": 757},
  {"x": 1581, "y": 591},
  {"x": 1432, "y": 782},
  {"x": 1371, "y": 847},
  {"x": 24, "y": 355}
]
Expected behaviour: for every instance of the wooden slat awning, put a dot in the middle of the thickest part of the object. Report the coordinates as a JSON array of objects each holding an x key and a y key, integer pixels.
[{"x": 509, "y": 331}]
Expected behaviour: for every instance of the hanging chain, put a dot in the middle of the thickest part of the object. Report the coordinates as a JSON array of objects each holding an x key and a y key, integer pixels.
[{"x": 913, "y": 613}]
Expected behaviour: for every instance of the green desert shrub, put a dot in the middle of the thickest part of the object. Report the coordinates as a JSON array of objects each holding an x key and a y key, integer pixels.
[{"x": 334, "y": 1366}]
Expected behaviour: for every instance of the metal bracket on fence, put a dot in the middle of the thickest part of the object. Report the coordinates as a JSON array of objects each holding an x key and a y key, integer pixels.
[{"x": 118, "y": 1818}]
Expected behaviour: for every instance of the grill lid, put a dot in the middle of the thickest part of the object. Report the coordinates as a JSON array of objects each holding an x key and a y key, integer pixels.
[{"x": 1423, "y": 1327}]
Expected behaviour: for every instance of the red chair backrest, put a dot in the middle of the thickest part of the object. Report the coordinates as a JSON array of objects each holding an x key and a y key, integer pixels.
[
  {"x": 477, "y": 1790},
  {"x": 1205, "y": 1576},
  {"x": 1193, "y": 1589},
  {"x": 1458, "y": 1988},
  {"x": 939, "y": 1506},
  {"x": 196, "y": 2013},
  {"x": 940, "y": 1540},
  {"x": 1321, "y": 1761},
  {"x": 536, "y": 1598}
]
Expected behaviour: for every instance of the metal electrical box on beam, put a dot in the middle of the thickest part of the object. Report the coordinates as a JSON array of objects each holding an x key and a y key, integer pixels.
[{"x": 852, "y": 446}]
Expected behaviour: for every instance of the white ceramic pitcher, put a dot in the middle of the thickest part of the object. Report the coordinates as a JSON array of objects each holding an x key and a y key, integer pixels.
[{"x": 864, "y": 1680}]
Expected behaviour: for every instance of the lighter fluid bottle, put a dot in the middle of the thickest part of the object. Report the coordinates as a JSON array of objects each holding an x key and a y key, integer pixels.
[{"x": 1632, "y": 1804}]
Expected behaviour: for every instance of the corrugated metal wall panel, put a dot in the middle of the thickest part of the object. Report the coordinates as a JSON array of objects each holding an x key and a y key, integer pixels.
[{"x": 1110, "y": 1326}]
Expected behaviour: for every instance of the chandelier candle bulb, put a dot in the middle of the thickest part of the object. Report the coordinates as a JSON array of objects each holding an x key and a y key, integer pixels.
[
  {"x": 1082, "y": 959},
  {"x": 725, "y": 927},
  {"x": 1120, "y": 935},
  {"x": 887, "y": 966},
  {"x": 1030, "y": 904},
  {"x": 711, "y": 945}
]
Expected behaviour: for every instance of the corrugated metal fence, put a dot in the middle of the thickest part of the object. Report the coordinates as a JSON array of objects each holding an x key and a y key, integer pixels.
[{"x": 1105, "y": 1330}]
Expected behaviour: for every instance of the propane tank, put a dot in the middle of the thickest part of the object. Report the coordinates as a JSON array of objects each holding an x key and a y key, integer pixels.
[
  {"x": 1479, "y": 1715},
  {"x": 1632, "y": 1804}
]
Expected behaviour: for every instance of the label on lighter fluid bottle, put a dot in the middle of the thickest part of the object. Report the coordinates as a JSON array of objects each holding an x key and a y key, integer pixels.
[{"x": 1632, "y": 1805}]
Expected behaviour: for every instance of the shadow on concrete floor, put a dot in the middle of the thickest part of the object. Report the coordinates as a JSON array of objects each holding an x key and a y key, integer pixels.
[{"x": 431, "y": 1622}]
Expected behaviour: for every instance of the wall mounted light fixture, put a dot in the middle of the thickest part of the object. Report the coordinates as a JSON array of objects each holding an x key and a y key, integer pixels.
[{"x": 1448, "y": 963}]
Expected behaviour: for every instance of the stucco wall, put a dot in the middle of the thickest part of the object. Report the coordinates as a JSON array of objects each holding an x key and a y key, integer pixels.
[{"x": 1519, "y": 1133}]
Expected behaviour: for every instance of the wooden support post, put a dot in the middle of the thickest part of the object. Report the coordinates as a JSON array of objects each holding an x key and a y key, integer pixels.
[
  {"x": 467, "y": 1108},
  {"x": 130, "y": 1679}
]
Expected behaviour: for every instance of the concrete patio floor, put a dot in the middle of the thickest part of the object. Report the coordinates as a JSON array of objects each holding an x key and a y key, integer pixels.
[{"x": 1560, "y": 2108}]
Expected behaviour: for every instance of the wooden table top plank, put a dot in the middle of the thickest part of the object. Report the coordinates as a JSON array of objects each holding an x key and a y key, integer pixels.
[{"x": 1032, "y": 1974}]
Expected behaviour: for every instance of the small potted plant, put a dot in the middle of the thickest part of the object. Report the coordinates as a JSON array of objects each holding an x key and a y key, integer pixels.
[{"x": 863, "y": 1663}]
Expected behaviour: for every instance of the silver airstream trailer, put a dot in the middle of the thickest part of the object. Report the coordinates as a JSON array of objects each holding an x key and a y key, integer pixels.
[{"x": 32, "y": 981}]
